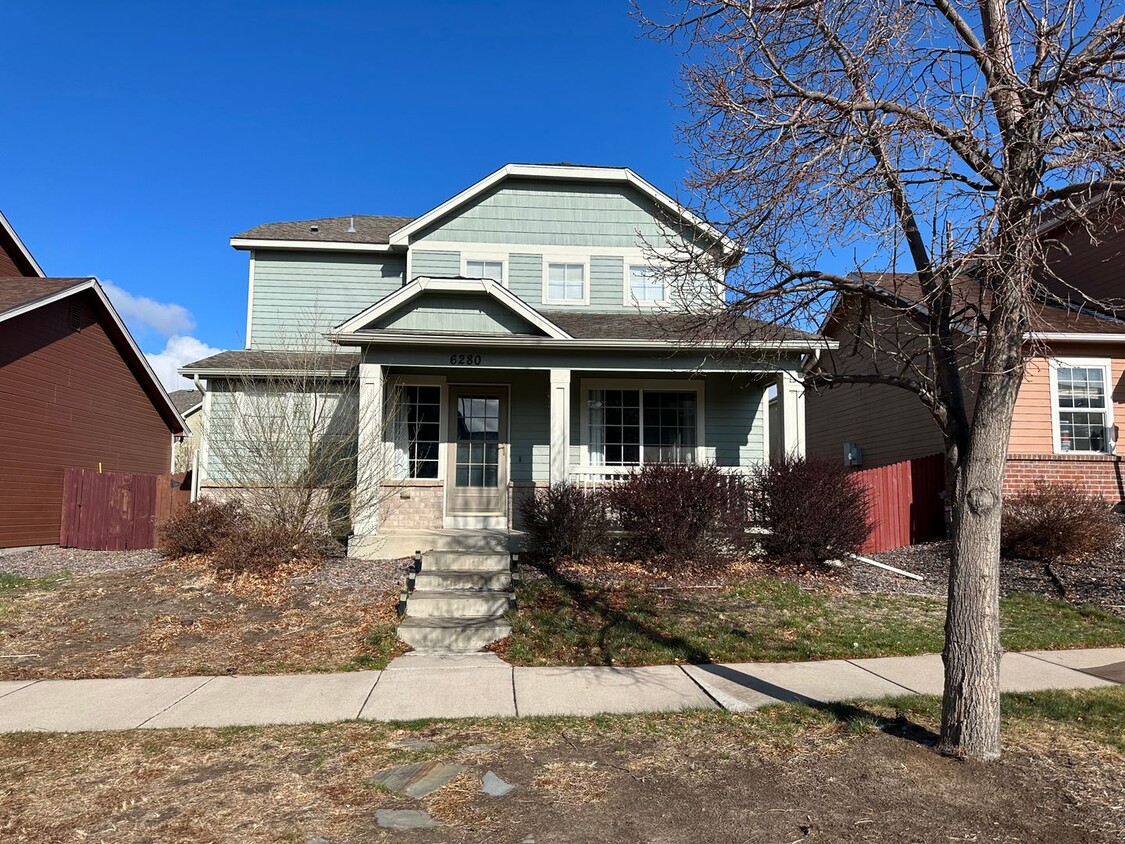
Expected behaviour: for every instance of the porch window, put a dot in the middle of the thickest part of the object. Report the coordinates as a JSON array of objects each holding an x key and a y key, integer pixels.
[
  {"x": 566, "y": 282},
  {"x": 1083, "y": 416},
  {"x": 645, "y": 284},
  {"x": 630, "y": 427},
  {"x": 485, "y": 269},
  {"x": 417, "y": 432}
]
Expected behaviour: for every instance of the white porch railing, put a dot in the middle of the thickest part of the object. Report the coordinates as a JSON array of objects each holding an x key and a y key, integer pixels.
[{"x": 593, "y": 476}]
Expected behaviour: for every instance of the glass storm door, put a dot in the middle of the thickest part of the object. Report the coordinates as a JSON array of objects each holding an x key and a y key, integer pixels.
[{"x": 477, "y": 479}]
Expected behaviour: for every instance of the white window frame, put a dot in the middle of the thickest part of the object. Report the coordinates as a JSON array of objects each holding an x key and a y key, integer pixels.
[
  {"x": 394, "y": 383},
  {"x": 628, "y": 299},
  {"x": 494, "y": 257},
  {"x": 1105, "y": 364},
  {"x": 585, "y": 385},
  {"x": 583, "y": 261}
]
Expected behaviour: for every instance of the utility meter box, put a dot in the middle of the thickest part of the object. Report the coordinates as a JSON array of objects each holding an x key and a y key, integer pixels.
[{"x": 853, "y": 455}]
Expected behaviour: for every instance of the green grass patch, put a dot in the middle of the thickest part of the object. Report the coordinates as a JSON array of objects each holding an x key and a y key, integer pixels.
[{"x": 765, "y": 619}]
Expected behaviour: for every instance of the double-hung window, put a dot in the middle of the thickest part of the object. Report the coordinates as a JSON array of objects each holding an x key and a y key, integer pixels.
[
  {"x": 631, "y": 427},
  {"x": 1083, "y": 412},
  {"x": 566, "y": 283},
  {"x": 417, "y": 431},
  {"x": 645, "y": 285},
  {"x": 480, "y": 268}
]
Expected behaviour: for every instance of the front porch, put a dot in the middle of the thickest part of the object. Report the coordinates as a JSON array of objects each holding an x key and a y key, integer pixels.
[{"x": 457, "y": 449}]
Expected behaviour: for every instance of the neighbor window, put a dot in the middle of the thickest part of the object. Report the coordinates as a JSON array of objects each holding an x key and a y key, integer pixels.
[
  {"x": 645, "y": 284},
  {"x": 629, "y": 427},
  {"x": 566, "y": 282},
  {"x": 1083, "y": 414},
  {"x": 485, "y": 269},
  {"x": 417, "y": 431}
]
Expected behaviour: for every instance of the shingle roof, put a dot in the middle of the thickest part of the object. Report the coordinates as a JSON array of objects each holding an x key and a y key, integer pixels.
[
  {"x": 185, "y": 400},
  {"x": 677, "y": 327},
  {"x": 260, "y": 360},
  {"x": 969, "y": 294},
  {"x": 19, "y": 291},
  {"x": 368, "y": 229}
]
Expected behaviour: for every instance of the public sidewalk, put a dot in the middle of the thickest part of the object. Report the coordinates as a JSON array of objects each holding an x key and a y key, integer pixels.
[{"x": 473, "y": 685}]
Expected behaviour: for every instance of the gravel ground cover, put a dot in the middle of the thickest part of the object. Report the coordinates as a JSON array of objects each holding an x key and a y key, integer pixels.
[{"x": 49, "y": 560}]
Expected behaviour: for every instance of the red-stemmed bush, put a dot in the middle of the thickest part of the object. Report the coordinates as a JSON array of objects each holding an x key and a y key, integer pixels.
[
  {"x": 1054, "y": 521},
  {"x": 565, "y": 521}
]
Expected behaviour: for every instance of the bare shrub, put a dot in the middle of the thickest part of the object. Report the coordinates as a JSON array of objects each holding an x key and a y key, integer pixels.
[
  {"x": 261, "y": 548},
  {"x": 812, "y": 510},
  {"x": 198, "y": 527},
  {"x": 676, "y": 515},
  {"x": 1055, "y": 521},
  {"x": 565, "y": 521}
]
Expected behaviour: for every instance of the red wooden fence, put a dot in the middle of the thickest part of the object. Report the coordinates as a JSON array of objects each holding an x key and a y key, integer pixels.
[
  {"x": 906, "y": 505},
  {"x": 117, "y": 511}
]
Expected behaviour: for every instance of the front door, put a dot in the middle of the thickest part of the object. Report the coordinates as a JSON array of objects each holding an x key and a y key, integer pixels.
[{"x": 477, "y": 480}]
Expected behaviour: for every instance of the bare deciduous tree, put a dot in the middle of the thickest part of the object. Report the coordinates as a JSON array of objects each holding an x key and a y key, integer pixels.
[{"x": 836, "y": 141}]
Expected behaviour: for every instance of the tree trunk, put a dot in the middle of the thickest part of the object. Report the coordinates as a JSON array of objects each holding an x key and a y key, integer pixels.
[{"x": 970, "y": 717}]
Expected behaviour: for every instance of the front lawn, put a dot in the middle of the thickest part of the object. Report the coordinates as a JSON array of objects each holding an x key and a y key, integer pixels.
[
  {"x": 858, "y": 773},
  {"x": 562, "y": 621}
]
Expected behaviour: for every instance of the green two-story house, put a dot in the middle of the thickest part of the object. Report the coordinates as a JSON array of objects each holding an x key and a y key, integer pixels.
[{"x": 520, "y": 334}]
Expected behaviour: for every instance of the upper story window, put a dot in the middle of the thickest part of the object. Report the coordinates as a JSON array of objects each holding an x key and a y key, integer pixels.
[
  {"x": 646, "y": 286},
  {"x": 1083, "y": 411},
  {"x": 485, "y": 268},
  {"x": 566, "y": 283}
]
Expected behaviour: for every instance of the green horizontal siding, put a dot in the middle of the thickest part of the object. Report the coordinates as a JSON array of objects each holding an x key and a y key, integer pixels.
[
  {"x": 545, "y": 213},
  {"x": 298, "y": 296},
  {"x": 436, "y": 263},
  {"x": 525, "y": 276},
  {"x": 452, "y": 313},
  {"x": 530, "y": 426},
  {"x": 732, "y": 430}
]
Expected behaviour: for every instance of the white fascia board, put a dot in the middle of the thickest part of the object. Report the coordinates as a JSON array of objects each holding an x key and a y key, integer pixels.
[
  {"x": 314, "y": 245},
  {"x": 20, "y": 246},
  {"x": 1076, "y": 337},
  {"x": 400, "y": 339},
  {"x": 421, "y": 284},
  {"x": 236, "y": 372},
  {"x": 401, "y": 237}
]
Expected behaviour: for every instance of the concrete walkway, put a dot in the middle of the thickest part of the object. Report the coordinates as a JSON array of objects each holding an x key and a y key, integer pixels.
[{"x": 469, "y": 685}]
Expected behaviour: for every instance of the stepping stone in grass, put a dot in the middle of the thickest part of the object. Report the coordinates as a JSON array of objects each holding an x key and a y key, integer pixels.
[
  {"x": 418, "y": 779},
  {"x": 404, "y": 819},
  {"x": 493, "y": 786}
]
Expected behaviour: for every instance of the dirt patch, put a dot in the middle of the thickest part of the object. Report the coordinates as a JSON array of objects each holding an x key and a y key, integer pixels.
[
  {"x": 779, "y": 776},
  {"x": 175, "y": 618}
]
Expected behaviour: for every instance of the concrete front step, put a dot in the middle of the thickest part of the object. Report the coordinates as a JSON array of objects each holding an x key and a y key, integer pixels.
[
  {"x": 454, "y": 580},
  {"x": 452, "y": 634},
  {"x": 465, "y": 561},
  {"x": 457, "y": 604}
]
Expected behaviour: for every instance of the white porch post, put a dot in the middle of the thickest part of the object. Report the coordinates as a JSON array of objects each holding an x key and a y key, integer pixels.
[
  {"x": 371, "y": 465},
  {"x": 560, "y": 424},
  {"x": 791, "y": 398},
  {"x": 764, "y": 422}
]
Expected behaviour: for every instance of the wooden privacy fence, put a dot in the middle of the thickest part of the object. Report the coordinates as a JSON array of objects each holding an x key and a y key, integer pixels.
[
  {"x": 117, "y": 511},
  {"x": 906, "y": 503}
]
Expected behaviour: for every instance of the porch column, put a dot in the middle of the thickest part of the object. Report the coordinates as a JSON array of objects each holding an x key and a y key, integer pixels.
[
  {"x": 791, "y": 401},
  {"x": 560, "y": 424},
  {"x": 372, "y": 451}
]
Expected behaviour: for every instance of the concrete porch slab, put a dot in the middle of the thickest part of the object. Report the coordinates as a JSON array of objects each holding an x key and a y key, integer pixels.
[
  {"x": 745, "y": 686},
  {"x": 595, "y": 690},
  {"x": 85, "y": 705},
  {"x": 396, "y": 543},
  {"x": 442, "y": 686},
  {"x": 247, "y": 701}
]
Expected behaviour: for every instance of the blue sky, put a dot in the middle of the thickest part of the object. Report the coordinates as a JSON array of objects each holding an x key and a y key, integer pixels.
[{"x": 141, "y": 136}]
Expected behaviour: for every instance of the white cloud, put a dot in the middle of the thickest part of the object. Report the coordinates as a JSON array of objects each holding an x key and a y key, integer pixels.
[
  {"x": 178, "y": 351},
  {"x": 141, "y": 312}
]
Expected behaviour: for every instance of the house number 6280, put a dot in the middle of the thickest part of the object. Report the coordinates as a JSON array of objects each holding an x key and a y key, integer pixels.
[{"x": 464, "y": 360}]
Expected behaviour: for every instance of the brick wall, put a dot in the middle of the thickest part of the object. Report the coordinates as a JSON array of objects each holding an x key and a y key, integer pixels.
[
  {"x": 1095, "y": 473},
  {"x": 415, "y": 505}
]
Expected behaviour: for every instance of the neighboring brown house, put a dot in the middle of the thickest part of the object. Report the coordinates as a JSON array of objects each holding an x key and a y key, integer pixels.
[
  {"x": 1065, "y": 426},
  {"x": 75, "y": 391}
]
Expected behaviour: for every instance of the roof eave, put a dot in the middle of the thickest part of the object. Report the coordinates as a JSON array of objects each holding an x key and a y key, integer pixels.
[
  {"x": 319, "y": 245},
  {"x": 24, "y": 252}
]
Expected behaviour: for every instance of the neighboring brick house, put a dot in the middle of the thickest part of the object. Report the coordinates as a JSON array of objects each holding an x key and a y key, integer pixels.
[
  {"x": 1064, "y": 426},
  {"x": 189, "y": 403},
  {"x": 75, "y": 391}
]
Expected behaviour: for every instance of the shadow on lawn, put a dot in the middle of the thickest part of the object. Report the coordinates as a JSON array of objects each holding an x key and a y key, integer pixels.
[{"x": 851, "y": 716}]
